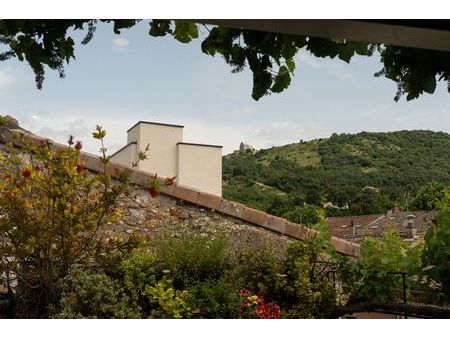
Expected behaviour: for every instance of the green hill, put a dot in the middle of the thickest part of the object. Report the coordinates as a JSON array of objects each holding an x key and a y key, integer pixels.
[{"x": 355, "y": 174}]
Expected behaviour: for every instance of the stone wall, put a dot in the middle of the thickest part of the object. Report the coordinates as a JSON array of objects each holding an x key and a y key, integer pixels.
[{"x": 146, "y": 216}]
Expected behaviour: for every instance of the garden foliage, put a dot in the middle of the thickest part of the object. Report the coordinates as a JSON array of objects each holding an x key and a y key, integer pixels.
[{"x": 53, "y": 212}]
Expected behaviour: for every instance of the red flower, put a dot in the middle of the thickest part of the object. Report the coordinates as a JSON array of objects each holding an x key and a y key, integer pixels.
[
  {"x": 80, "y": 167},
  {"x": 37, "y": 168},
  {"x": 70, "y": 140},
  {"x": 268, "y": 311},
  {"x": 244, "y": 292},
  {"x": 26, "y": 172},
  {"x": 153, "y": 192}
]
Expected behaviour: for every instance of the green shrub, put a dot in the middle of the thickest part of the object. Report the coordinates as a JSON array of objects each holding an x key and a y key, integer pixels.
[
  {"x": 216, "y": 298},
  {"x": 167, "y": 302},
  {"x": 52, "y": 210},
  {"x": 307, "y": 215},
  {"x": 191, "y": 258},
  {"x": 177, "y": 275},
  {"x": 94, "y": 295},
  {"x": 372, "y": 277},
  {"x": 306, "y": 290},
  {"x": 436, "y": 253},
  {"x": 259, "y": 269},
  {"x": 138, "y": 271}
]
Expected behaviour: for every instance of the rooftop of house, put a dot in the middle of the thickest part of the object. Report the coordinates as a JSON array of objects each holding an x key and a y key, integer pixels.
[
  {"x": 156, "y": 123},
  {"x": 355, "y": 228}
]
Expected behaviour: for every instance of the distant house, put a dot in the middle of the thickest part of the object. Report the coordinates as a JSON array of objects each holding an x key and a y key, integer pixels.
[
  {"x": 243, "y": 147},
  {"x": 408, "y": 224}
]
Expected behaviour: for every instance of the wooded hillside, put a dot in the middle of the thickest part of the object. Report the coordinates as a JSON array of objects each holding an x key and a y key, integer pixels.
[{"x": 354, "y": 174}]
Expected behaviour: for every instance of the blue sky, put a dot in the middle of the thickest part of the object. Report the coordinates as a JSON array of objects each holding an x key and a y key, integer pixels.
[{"x": 117, "y": 80}]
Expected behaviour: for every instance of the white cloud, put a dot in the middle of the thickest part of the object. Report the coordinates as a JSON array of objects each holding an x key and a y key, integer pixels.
[
  {"x": 9, "y": 77},
  {"x": 333, "y": 67},
  {"x": 120, "y": 44},
  {"x": 311, "y": 61},
  {"x": 285, "y": 132},
  {"x": 58, "y": 127}
]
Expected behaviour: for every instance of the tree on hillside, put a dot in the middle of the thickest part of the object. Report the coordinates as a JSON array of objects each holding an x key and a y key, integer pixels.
[
  {"x": 428, "y": 196},
  {"x": 270, "y": 56}
]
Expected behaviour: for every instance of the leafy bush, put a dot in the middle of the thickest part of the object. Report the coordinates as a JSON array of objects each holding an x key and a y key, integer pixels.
[
  {"x": 138, "y": 271},
  {"x": 372, "y": 277},
  {"x": 306, "y": 290},
  {"x": 93, "y": 295},
  {"x": 183, "y": 277},
  {"x": 217, "y": 298},
  {"x": 436, "y": 252},
  {"x": 53, "y": 213},
  {"x": 307, "y": 215},
  {"x": 191, "y": 258},
  {"x": 167, "y": 302},
  {"x": 259, "y": 269}
]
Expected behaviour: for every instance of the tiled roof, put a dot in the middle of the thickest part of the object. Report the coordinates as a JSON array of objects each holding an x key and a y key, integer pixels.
[
  {"x": 219, "y": 204},
  {"x": 375, "y": 225},
  {"x": 342, "y": 226}
]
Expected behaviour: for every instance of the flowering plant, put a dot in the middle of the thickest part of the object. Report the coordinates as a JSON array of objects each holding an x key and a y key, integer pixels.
[
  {"x": 257, "y": 307},
  {"x": 52, "y": 215}
]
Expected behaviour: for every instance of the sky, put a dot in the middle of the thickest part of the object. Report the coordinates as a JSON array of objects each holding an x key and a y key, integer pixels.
[{"x": 117, "y": 80}]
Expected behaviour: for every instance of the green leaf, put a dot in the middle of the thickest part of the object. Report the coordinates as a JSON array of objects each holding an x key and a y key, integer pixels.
[
  {"x": 290, "y": 64},
  {"x": 429, "y": 84},
  {"x": 262, "y": 81},
  {"x": 288, "y": 49},
  {"x": 185, "y": 31},
  {"x": 282, "y": 80},
  {"x": 159, "y": 27}
]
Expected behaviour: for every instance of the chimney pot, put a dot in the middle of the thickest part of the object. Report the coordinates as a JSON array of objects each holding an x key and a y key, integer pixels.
[{"x": 410, "y": 226}]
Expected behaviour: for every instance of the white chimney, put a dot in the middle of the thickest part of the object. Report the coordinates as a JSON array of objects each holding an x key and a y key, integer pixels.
[
  {"x": 200, "y": 167},
  {"x": 197, "y": 166}
]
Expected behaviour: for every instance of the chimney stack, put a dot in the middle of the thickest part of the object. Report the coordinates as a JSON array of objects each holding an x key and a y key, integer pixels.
[
  {"x": 395, "y": 208},
  {"x": 410, "y": 226}
]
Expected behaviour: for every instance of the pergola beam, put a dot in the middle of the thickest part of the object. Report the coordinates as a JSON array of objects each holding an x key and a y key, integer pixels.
[{"x": 426, "y": 34}]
